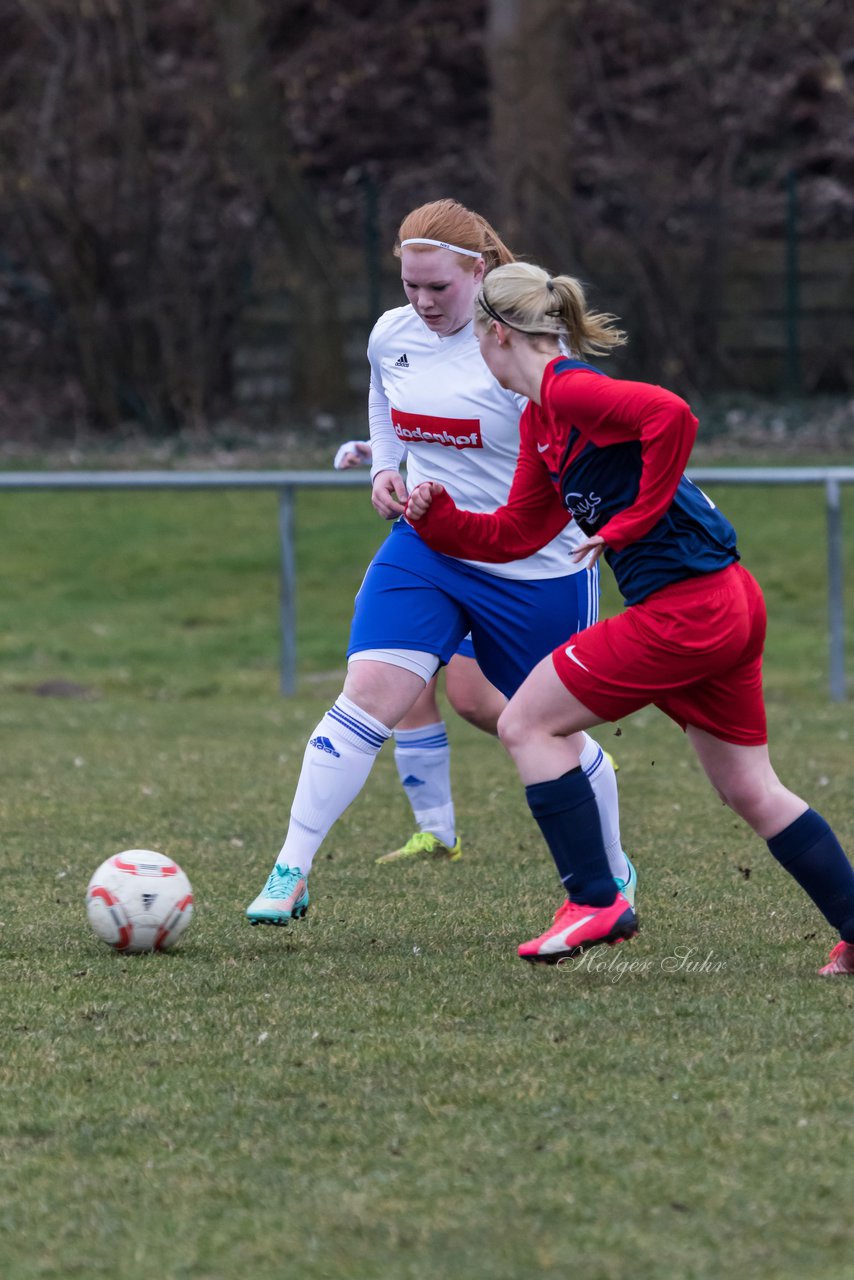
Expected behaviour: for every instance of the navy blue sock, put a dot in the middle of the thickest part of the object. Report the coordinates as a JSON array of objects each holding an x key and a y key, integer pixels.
[
  {"x": 810, "y": 852},
  {"x": 566, "y": 812}
]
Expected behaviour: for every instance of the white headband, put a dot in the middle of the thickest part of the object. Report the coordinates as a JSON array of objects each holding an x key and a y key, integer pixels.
[{"x": 443, "y": 244}]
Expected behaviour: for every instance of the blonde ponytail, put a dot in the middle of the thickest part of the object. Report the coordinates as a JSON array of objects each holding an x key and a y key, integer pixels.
[{"x": 526, "y": 298}]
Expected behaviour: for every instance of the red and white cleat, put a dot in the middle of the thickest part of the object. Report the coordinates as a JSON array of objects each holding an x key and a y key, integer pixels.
[
  {"x": 577, "y": 927},
  {"x": 841, "y": 959}
]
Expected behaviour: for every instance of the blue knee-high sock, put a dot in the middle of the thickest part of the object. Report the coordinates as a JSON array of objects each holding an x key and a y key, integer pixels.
[
  {"x": 811, "y": 853},
  {"x": 566, "y": 812}
]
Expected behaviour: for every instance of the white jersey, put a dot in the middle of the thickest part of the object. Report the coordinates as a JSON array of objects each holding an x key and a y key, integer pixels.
[{"x": 434, "y": 402}]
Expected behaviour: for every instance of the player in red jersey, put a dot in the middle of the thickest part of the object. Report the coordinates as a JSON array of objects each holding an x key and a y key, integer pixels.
[{"x": 610, "y": 454}]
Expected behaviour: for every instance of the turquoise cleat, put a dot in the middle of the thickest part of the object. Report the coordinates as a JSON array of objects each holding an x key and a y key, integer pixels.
[
  {"x": 283, "y": 898},
  {"x": 628, "y": 888}
]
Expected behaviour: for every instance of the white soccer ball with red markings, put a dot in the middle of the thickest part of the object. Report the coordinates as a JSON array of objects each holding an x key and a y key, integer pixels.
[{"x": 139, "y": 901}]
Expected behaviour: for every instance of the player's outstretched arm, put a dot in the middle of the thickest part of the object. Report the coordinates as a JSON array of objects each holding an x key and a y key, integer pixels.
[
  {"x": 389, "y": 494},
  {"x": 531, "y": 517},
  {"x": 355, "y": 453}
]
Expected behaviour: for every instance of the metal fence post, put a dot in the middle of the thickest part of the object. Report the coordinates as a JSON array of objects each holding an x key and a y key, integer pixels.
[
  {"x": 288, "y": 594},
  {"x": 835, "y": 602}
]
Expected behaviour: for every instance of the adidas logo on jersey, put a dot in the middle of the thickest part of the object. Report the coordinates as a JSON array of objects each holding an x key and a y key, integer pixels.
[
  {"x": 401, "y": 362},
  {"x": 323, "y": 744}
]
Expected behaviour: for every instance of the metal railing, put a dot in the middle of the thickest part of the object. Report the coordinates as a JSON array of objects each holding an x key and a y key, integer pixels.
[
  {"x": 285, "y": 483},
  {"x": 832, "y": 478}
]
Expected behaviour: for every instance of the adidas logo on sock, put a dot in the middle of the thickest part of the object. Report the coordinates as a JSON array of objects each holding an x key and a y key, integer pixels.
[
  {"x": 323, "y": 744},
  {"x": 401, "y": 362},
  {"x": 412, "y": 781}
]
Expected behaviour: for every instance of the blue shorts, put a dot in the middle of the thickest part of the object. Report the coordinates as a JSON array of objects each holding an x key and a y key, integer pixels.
[
  {"x": 415, "y": 598},
  {"x": 465, "y": 649}
]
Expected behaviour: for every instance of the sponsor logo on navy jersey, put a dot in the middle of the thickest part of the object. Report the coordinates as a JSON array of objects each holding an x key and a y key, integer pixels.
[
  {"x": 582, "y": 508},
  {"x": 422, "y": 428}
]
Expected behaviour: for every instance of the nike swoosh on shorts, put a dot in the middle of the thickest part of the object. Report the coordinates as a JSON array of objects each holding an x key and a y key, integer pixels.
[{"x": 568, "y": 651}]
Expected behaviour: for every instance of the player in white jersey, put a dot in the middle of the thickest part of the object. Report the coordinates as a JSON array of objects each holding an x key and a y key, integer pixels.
[
  {"x": 422, "y": 753},
  {"x": 433, "y": 400}
]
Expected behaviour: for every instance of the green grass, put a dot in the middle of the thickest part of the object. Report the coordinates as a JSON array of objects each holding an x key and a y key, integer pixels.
[{"x": 383, "y": 1092}]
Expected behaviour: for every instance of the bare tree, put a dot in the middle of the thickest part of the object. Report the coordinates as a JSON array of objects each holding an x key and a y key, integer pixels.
[
  {"x": 317, "y": 357},
  {"x": 530, "y": 56},
  {"x": 123, "y": 204}
]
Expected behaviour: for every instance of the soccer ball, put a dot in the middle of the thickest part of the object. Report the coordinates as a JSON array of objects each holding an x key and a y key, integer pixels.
[{"x": 139, "y": 901}]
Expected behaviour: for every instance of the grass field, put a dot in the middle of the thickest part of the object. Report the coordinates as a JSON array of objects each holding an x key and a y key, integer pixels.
[{"x": 384, "y": 1092}]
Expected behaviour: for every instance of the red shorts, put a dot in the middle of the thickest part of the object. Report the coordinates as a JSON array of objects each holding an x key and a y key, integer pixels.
[{"x": 694, "y": 649}]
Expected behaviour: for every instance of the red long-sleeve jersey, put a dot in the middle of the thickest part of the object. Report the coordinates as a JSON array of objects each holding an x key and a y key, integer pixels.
[{"x": 610, "y": 454}]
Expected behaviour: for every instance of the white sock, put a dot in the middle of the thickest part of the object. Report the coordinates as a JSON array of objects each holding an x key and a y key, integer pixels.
[
  {"x": 339, "y": 756},
  {"x": 603, "y": 780},
  {"x": 423, "y": 759}
]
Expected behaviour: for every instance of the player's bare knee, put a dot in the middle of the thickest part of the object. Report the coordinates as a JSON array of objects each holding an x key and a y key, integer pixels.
[
  {"x": 473, "y": 711},
  {"x": 512, "y": 728},
  {"x": 385, "y": 692},
  {"x": 486, "y": 719},
  {"x": 362, "y": 683},
  {"x": 465, "y": 706},
  {"x": 504, "y": 727},
  {"x": 750, "y": 802}
]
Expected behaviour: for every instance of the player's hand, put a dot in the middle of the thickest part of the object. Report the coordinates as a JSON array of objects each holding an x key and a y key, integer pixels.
[
  {"x": 389, "y": 494},
  {"x": 421, "y": 498},
  {"x": 355, "y": 453},
  {"x": 593, "y": 548}
]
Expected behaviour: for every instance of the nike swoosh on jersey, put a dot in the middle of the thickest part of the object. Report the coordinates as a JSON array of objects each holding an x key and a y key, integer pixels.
[{"x": 541, "y": 448}]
